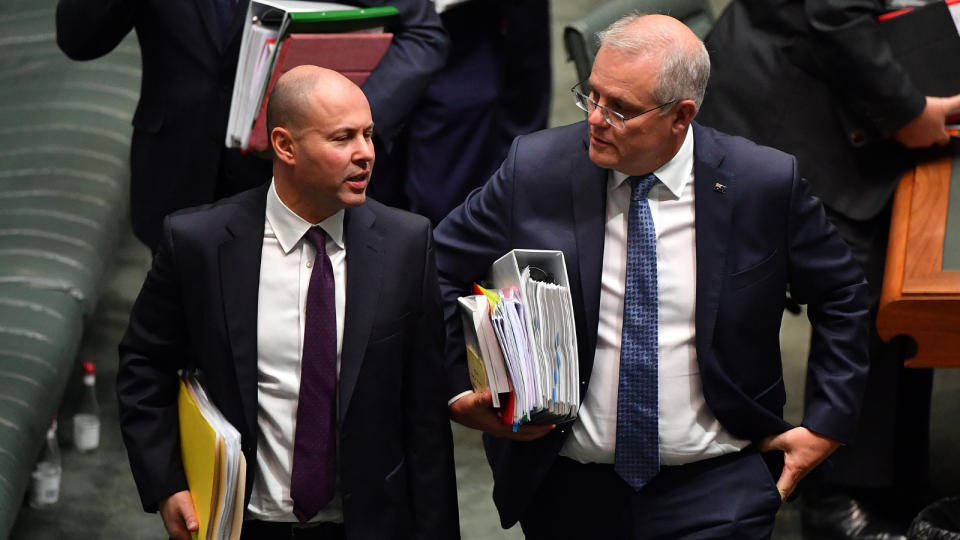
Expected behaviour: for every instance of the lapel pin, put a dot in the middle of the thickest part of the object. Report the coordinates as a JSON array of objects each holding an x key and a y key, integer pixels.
[{"x": 720, "y": 188}]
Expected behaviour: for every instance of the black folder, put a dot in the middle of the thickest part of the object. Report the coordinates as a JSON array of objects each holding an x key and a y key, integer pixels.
[{"x": 926, "y": 43}]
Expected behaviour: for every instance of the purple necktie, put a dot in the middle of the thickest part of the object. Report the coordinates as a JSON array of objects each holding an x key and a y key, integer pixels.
[{"x": 315, "y": 444}]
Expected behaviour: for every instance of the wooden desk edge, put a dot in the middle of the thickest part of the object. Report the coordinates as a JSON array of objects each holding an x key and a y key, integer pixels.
[
  {"x": 934, "y": 325},
  {"x": 896, "y": 255}
]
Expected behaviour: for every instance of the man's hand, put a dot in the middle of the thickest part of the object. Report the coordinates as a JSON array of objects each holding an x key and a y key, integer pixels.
[
  {"x": 179, "y": 515},
  {"x": 802, "y": 451},
  {"x": 929, "y": 128},
  {"x": 476, "y": 411}
]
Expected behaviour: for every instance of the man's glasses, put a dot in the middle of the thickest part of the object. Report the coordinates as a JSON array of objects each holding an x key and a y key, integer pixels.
[{"x": 613, "y": 118}]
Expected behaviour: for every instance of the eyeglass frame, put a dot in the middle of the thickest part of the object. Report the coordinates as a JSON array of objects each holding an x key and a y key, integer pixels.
[{"x": 606, "y": 111}]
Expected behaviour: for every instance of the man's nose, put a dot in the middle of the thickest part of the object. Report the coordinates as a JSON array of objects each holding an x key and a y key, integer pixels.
[
  {"x": 364, "y": 151},
  {"x": 596, "y": 119}
]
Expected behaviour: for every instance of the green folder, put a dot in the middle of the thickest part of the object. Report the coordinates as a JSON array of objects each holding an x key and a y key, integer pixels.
[{"x": 339, "y": 21}]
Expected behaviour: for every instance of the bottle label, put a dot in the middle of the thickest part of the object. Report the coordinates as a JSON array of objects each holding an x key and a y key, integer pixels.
[
  {"x": 45, "y": 487},
  {"x": 86, "y": 431}
]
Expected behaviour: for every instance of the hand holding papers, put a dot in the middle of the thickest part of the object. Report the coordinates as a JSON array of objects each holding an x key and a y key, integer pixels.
[
  {"x": 213, "y": 462},
  {"x": 532, "y": 321}
]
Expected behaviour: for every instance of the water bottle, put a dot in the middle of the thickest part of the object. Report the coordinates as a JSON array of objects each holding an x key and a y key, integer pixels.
[
  {"x": 45, "y": 480},
  {"x": 86, "y": 421}
]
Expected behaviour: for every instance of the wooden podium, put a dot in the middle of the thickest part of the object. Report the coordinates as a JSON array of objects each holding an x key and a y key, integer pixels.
[{"x": 921, "y": 286}]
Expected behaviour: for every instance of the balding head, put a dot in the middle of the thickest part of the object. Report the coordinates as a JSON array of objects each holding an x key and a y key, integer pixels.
[
  {"x": 685, "y": 64},
  {"x": 293, "y": 95}
]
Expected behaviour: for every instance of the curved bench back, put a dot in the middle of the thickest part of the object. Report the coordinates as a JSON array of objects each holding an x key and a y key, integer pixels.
[{"x": 64, "y": 198}]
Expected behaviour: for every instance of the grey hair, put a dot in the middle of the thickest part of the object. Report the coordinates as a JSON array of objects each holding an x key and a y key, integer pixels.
[{"x": 684, "y": 70}]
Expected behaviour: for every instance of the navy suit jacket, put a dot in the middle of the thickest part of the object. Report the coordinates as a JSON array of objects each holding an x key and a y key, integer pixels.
[
  {"x": 188, "y": 72},
  {"x": 753, "y": 240},
  {"x": 198, "y": 309}
]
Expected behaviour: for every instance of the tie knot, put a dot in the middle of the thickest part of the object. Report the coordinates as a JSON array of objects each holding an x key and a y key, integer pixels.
[
  {"x": 317, "y": 238},
  {"x": 642, "y": 185}
]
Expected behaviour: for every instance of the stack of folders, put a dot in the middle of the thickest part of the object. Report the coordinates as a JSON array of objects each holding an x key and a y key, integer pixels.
[
  {"x": 279, "y": 35},
  {"x": 521, "y": 339},
  {"x": 213, "y": 462}
]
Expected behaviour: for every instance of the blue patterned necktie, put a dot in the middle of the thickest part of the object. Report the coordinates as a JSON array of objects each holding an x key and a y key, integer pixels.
[
  {"x": 637, "y": 457},
  {"x": 313, "y": 476}
]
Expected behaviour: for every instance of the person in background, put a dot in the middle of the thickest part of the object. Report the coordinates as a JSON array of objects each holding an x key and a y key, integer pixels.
[
  {"x": 190, "y": 48},
  {"x": 817, "y": 79},
  {"x": 495, "y": 86},
  {"x": 314, "y": 315},
  {"x": 679, "y": 242}
]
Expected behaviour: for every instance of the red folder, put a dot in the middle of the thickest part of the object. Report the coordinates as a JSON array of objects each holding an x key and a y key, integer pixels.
[{"x": 352, "y": 54}]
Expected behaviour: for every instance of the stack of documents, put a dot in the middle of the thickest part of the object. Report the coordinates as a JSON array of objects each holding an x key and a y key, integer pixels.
[
  {"x": 279, "y": 35},
  {"x": 521, "y": 339},
  {"x": 213, "y": 462}
]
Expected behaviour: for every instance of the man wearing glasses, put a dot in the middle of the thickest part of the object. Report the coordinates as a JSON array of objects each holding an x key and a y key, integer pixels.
[{"x": 680, "y": 243}]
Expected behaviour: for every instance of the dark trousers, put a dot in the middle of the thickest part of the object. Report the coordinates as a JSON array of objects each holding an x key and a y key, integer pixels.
[
  {"x": 268, "y": 530},
  {"x": 891, "y": 448},
  {"x": 495, "y": 86},
  {"x": 731, "y": 496}
]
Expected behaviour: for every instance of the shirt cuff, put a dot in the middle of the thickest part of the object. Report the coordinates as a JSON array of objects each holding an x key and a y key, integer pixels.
[{"x": 458, "y": 396}]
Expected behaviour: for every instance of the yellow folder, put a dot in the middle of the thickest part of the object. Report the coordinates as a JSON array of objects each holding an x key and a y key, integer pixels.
[{"x": 200, "y": 449}]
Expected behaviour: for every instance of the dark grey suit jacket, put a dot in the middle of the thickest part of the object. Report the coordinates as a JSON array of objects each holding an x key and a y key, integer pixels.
[
  {"x": 188, "y": 73},
  {"x": 816, "y": 79},
  {"x": 762, "y": 233},
  {"x": 198, "y": 309}
]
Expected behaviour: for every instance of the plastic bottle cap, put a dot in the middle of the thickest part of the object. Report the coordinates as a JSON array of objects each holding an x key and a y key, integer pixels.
[{"x": 89, "y": 368}]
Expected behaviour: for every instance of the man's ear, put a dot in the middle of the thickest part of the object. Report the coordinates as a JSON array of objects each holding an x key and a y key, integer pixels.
[
  {"x": 684, "y": 113},
  {"x": 283, "y": 145}
]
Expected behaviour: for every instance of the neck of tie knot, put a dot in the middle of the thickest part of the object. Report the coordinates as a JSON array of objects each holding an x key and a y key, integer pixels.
[
  {"x": 317, "y": 238},
  {"x": 642, "y": 185}
]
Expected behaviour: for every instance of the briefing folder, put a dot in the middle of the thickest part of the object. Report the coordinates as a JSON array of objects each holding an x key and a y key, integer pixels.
[
  {"x": 484, "y": 360},
  {"x": 280, "y": 35},
  {"x": 926, "y": 42},
  {"x": 531, "y": 314},
  {"x": 213, "y": 463}
]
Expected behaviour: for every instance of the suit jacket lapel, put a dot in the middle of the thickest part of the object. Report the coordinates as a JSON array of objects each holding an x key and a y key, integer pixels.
[
  {"x": 240, "y": 287},
  {"x": 364, "y": 270},
  {"x": 714, "y": 210},
  {"x": 589, "y": 184}
]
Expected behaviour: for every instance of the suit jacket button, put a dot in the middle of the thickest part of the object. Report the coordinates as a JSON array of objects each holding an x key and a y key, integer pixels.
[{"x": 858, "y": 137}]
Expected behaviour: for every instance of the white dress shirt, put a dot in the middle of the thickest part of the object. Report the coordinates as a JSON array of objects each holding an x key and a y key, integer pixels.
[
  {"x": 688, "y": 429},
  {"x": 285, "y": 267}
]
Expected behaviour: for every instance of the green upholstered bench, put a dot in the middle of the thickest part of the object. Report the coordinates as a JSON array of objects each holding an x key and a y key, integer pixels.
[
  {"x": 40, "y": 332},
  {"x": 64, "y": 197}
]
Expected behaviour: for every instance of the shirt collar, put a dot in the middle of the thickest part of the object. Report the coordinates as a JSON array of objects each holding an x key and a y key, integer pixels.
[
  {"x": 675, "y": 173},
  {"x": 290, "y": 228}
]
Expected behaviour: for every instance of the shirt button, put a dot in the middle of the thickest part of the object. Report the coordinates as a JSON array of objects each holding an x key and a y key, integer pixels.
[{"x": 309, "y": 264}]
